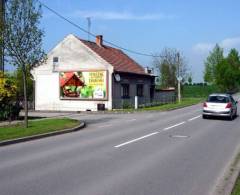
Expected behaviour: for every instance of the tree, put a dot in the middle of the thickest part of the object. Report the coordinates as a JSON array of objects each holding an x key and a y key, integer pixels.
[
  {"x": 23, "y": 39},
  {"x": 9, "y": 108},
  {"x": 8, "y": 88},
  {"x": 190, "y": 80},
  {"x": 214, "y": 58},
  {"x": 228, "y": 72},
  {"x": 170, "y": 65},
  {"x": 19, "y": 83}
]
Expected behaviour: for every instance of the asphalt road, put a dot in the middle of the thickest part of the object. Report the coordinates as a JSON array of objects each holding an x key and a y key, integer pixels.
[{"x": 154, "y": 153}]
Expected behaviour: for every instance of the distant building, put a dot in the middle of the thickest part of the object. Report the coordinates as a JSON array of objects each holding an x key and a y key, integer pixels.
[{"x": 81, "y": 75}]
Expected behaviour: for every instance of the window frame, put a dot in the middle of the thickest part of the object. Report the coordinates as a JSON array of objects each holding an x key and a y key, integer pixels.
[
  {"x": 125, "y": 90},
  {"x": 139, "y": 90}
]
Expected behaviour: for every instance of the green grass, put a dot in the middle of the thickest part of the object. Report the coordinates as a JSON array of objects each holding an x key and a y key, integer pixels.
[
  {"x": 170, "y": 106},
  {"x": 36, "y": 127},
  {"x": 185, "y": 102},
  {"x": 236, "y": 189},
  {"x": 198, "y": 91}
]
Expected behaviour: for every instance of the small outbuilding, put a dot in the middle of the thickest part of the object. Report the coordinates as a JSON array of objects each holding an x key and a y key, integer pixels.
[{"x": 81, "y": 75}]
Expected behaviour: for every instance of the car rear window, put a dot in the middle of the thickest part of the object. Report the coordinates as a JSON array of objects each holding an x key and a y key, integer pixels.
[{"x": 218, "y": 99}]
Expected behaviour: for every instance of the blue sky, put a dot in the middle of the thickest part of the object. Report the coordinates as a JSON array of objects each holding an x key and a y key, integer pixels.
[{"x": 148, "y": 26}]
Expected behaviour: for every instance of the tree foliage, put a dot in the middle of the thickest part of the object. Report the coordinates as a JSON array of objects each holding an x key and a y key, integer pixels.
[
  {"x": 9, "y": 108},
  {"x": 228, "y": 72},
  {"x": 8, "y": 88},
  {"x": 23, "y": 38},
  {"x": 190, "y": 80},
  {"x": 214, "y": 58},
  {"x": 19, "y": 83},
  {"x": 170, "y": 65}
]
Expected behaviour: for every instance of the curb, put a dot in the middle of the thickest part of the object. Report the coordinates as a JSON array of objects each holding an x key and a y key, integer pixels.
[
  {"x": 231, "y": 180},
  {"x": 226, "y": 184},
  {"x": 34, "y": 137}
]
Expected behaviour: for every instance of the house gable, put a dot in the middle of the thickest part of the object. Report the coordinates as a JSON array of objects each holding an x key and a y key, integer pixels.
[{"x": 73, "y": 55}]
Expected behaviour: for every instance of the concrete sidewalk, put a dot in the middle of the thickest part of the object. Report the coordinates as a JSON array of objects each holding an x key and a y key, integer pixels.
[{"x": 47, "y": 114}]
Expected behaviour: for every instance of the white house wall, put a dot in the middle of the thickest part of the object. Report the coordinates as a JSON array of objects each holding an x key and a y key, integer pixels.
[{"x": 73, "y": 56}]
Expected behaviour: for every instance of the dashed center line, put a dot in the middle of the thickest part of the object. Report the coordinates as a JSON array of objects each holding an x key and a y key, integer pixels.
[
  {"x": 167, "y": 128},
  {"x": 191, "y": 119},
  {"x": 132, "y": 119},
  {"x": 137, "y": 139},
  {"x": 105, "y": 126},
  {"x": 156, "y": 132}
]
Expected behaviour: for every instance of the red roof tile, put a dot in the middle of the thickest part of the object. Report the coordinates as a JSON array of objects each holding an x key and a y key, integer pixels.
[{"x": 119, "y": 60}]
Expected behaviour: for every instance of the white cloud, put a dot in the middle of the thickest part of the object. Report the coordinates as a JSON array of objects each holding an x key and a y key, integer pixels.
[
  {"x": 230, "y": 42},
  {"x": 119, "y": 15},
  {"x": 226, "y": 44},
  {"x": 203, "y": 47}
]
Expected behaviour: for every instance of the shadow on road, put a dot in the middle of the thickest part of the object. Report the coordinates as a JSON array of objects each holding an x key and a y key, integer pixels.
[
  {"x": 96, "y": 121},
  {"x": 221, "y": 118}
]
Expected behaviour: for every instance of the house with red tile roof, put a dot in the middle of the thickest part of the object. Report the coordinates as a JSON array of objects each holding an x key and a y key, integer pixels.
[{"x": 81, "y": 75}]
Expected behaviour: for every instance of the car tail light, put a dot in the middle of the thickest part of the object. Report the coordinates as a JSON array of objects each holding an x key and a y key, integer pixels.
[
  {"x": 229, "y": 105},
  {"x": 205, "y": 104}
]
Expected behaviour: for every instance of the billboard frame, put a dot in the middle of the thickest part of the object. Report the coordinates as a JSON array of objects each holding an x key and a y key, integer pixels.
[{"x": 85, "y": 99}]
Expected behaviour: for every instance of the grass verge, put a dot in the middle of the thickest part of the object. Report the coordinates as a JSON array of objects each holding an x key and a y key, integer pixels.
[
  {"x": 184, "y": 102},
  {"x": 170, "y": 106},
  {"x": 236, "y": 189},
  {"x": 36, "y": 128}
]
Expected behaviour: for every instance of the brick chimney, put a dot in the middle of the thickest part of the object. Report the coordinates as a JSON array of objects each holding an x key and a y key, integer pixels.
[{"x": 99, "y": 40}]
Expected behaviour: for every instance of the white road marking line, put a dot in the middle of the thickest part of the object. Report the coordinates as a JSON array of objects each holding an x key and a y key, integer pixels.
[
  {"x": 179, "y": 136},
  {"x": 132, "y": 119},
  {"x": 137, "y": 139},
  {"x": 154, "y": 133},
  {"x": 106, "y": 125},
  {"x": 194, "y": 118},
  {"x": 167, "y": 128},
  {"x": 149, "y": 116}
]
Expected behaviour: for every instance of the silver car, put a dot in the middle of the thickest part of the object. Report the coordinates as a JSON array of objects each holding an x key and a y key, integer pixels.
[{"x": 220, "y": 105}]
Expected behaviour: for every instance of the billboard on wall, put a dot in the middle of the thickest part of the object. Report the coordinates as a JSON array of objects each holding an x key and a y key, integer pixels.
[{"x": 83, "y": 85}]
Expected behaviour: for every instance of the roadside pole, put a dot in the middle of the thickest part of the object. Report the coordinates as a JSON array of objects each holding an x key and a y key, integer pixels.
[
  {"x": 136, "y": 102},
  {"x": 179, "y": 91},
  {"x": 179, "y": 78}
]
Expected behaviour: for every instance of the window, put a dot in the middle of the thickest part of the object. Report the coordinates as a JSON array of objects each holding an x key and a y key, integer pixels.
[
  {"x": 125, "y": 91},
  {"x": 218, "y": 99},
  {"x": 140, "y": 90}
]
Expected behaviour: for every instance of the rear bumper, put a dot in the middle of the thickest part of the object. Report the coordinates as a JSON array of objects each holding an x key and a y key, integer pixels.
[{"x": 216, "y": 113}]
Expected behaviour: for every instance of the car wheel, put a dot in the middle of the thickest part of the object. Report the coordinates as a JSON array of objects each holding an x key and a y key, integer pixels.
[{"x": 204, "y": 116}]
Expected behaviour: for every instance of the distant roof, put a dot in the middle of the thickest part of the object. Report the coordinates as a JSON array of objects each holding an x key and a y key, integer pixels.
[{"x": 119, "y": 60}]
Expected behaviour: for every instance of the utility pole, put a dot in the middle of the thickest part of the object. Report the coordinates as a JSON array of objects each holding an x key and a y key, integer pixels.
[
  {"x": 2, "y": 21},
  {"x": 89, "y": 27},
  {"x": 179, "y": 78}
]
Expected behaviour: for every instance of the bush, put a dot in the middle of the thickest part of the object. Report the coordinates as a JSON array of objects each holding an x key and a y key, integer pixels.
[
  {"x": 126, "y": 104},
  {"x": 9, "y": 108},
  {"x": 9, "y": 111}
]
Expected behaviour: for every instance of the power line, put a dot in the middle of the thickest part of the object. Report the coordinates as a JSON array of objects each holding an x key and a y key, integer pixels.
[{"x": 93, "y": 35}]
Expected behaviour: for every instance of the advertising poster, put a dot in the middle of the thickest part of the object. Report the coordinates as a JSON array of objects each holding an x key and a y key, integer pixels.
[{"x": 83, "y": 85}]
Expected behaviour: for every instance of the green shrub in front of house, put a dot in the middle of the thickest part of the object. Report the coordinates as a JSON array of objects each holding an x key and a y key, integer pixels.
[{"x": 9, "y": 109}]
